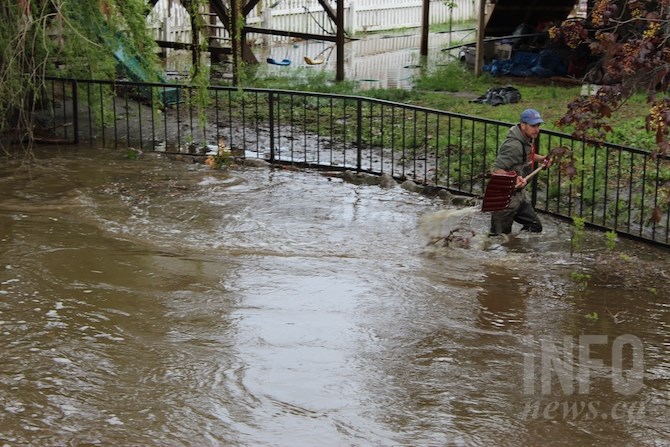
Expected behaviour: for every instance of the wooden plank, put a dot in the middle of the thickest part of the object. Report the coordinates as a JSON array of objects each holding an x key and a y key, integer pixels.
[
  {"x": 189, "y": 46},
  {"x": 280, "y": 32}
]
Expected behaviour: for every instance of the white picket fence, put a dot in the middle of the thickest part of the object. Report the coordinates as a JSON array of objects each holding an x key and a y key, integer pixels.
[{"x": 171, "y": 22}]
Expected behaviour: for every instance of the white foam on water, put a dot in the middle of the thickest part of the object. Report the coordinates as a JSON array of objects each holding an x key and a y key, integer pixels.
[{"x": 449, "y": 226}]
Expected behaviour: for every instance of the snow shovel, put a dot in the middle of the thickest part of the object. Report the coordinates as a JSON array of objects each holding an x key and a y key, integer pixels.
[{"x": 501, "y": 188}]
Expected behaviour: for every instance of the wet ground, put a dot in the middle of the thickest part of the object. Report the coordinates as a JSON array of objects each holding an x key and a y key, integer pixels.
[{"x": 156, "y": 303}]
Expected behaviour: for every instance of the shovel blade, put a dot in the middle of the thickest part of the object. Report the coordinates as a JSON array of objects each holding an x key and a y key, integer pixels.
[{"x": 499, "y": 192}]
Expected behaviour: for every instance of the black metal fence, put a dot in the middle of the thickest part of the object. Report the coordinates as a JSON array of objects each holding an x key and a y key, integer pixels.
[{"x": 616, "y": 188}]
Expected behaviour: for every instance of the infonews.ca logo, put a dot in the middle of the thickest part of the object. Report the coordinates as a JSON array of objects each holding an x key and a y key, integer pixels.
[{"x": 558, "y": 379}]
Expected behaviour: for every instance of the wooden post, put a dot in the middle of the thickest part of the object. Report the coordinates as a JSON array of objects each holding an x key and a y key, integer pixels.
[
  {"x": 267, "y": 24},
  {"x": 195, "y": 38},
  {"x": 339, "y": 75},
  {"x": 235, "y": 33},
  {"x": 481, "y": 30},
  {"x": 425, "y": 24}
]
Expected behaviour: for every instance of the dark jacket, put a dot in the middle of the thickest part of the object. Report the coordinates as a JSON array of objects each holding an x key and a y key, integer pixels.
[{"x": 514, "y": 153}]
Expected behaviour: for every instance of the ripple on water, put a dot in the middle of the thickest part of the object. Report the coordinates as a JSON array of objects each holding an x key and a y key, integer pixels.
[{"x": 165, "y": 304}]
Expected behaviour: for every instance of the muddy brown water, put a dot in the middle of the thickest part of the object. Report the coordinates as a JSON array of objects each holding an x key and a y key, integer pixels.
[{"x": 157, "y": 303}]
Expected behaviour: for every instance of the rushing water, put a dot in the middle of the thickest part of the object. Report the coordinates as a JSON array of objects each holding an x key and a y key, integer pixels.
[{"x": 157, "y": 303}]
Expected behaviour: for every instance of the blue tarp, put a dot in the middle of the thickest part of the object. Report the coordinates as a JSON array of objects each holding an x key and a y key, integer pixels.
[{"x": 543, "y": 64}]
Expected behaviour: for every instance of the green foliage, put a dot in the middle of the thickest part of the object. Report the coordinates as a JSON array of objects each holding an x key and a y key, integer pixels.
[
  {"x": 201, "y": 99},
  {"x": 74, "y": 38},
  {"x": 132, "y": 153},
  {"x": 610, "y": 240},
  {"x": 452, "y": 77},
  {"x": 221, "y": 159},
  {"x": 577, "y": 236},
  {"x": 630, "y": 38},
  {"x": 593, "y": 316},
  {"x": 581, "y": 281}
]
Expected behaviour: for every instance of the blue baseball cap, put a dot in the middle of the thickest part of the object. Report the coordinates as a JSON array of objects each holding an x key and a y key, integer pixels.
[{"x": 531, "y": 116}]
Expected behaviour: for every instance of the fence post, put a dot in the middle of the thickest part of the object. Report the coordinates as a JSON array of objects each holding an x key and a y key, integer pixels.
[
  {"x": 359, "y": 133},
  {"x": 266, "y": 22},
  {"x": 352, "y": 19},
  {"x": 75, "y": 111},
  {"x": 533, "y": 194},
  {"x": 272, "y": 126}
]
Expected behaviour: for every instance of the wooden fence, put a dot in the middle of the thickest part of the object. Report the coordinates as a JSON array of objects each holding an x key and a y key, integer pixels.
[{"x": 170, "y": 21}]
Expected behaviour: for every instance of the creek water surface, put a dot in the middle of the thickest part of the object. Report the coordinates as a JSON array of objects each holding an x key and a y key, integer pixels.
[{"x": 157, "y": 303}]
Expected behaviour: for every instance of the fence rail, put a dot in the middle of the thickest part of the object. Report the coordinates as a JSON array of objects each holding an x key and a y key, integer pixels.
[{"x": 617, "y": 188}]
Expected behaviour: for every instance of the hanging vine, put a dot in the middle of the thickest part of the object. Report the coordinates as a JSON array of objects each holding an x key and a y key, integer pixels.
[
  {"x": 63, "y": 38},
  {"x": 200, "y": 73}
]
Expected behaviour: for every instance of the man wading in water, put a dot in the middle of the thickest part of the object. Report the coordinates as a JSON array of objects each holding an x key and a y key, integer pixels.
[{"x": 517, "y": 153}]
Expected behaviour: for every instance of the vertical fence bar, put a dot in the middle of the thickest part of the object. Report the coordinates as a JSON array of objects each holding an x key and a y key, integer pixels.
[
  {"x": 304, "y": 127},
  {"x": 415, "y": 141},
  {"x": 459, "y": 179},
  {"x": 656, "y": 188},
  {"x": 230, "y": 118},
  {"x": 75, "y": 111},
  {"x": 594, "y": 183},
  {"x": 370, "y": 127},
  {"x": 258, "y": 138},
  {"x": 643, "y": 195},
  {"x": 271, "y": 107},
  {"x": 291, "y": 120},
  {"x": 344, "y": 132},
  {"x": 52, "y": 114},
  {"x": 331, "y": 135},
  {"x": 393, "y": 126},
  {"x": 64, "y": 115},
  {"x": 448, "y": 154},
  {"x": 279, "y": 121},
  {"x": 581, "y": 183},
  {"x": 318, "y": 130},
  {"x": 216, "y": 116},
  {"x": 359, "y": 132},
  {"x": 127, "y": 109},
  {"x": 89, "y": 106},
  {"x": 165, "y": 124},
  {"x": 606, "y": 184},
  {"x": 426, "y": 144},
  {"x": 243, "y": 105},
  {"x": 436, "y": 180},
  {"x": 188, "y": 91},
  {"x": 485, "y": 152},
  {"x": 382, "y": 141},
  {"x": 631, "y": 172},
  {"x": 618, "y": 190},
  {"x": 102, "y": 114},
  {"x": 152, "y": 116},
  {"x": 139, "y": 118},
  {"x": 116, "y": 136},
  {"x": 193, "y": 121}
]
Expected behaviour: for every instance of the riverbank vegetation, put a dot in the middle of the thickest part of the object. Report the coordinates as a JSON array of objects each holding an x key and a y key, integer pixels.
[{"x": 79, "y": 39}]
